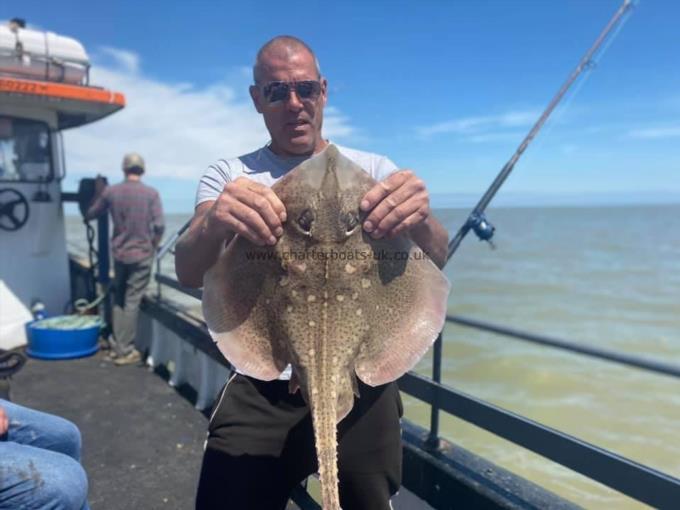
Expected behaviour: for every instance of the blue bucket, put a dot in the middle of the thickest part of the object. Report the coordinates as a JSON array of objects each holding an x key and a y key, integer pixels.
[{"x": 63, "y": 337}]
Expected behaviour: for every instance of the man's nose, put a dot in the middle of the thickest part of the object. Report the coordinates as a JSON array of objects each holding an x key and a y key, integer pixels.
[{"x": 294, "y": 103}]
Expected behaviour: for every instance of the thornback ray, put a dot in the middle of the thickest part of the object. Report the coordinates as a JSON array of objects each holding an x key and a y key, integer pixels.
[{"x": 327, "y": 298}]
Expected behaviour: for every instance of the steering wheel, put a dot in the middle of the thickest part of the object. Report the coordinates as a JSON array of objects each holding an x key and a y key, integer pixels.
[{"x": 13, "y": 209}]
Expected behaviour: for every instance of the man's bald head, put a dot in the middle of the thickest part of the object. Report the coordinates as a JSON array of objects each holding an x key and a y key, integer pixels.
[
  {"x": 294, "y": 117},
  {"x": 281, "y": 47}
]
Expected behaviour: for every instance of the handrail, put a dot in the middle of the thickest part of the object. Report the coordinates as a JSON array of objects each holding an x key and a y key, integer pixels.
[
  {"x": 174, "y": 284},
  {"x": 626, "y": 359},
  {"x": 624, "y": 475},
  {"x": 164, "y": 249},
  {"x": 170, "y": 241},
  {"x": 593, "y": 352}
]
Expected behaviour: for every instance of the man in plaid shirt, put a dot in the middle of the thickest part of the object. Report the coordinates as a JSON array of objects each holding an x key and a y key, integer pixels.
[{"x": 137, "y": 230}]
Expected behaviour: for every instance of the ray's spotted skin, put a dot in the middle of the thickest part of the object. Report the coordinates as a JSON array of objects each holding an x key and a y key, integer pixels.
[{"x": 327, "y": 298}]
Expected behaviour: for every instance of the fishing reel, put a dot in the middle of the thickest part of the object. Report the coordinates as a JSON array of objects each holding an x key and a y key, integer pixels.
[{"x": 482, "y": 227}]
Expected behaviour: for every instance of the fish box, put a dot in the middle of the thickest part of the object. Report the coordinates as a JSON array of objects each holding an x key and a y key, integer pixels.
[{"x": 63, "y": 337}]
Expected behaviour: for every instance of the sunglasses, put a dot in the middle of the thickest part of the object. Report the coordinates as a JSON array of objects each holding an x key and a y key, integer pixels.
[{"x": 278, "y": 91}]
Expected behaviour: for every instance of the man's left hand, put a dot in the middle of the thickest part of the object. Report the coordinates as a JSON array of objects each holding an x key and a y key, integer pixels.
[{"x": 397, "y": 204}]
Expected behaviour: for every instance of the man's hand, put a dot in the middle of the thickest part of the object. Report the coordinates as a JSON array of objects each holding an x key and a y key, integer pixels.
[
  {"x": 99, "y": 185},
  {"x": 4, "y": 421},
  {"x": 247, "y": 208},
  {"x": 96, "y": 207},
  {"x": 397, "y": 204},
  {"x": 244, "y": 207}
]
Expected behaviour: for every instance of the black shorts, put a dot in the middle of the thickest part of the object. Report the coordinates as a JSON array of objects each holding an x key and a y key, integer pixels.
[{"x": 261, "y": 445}]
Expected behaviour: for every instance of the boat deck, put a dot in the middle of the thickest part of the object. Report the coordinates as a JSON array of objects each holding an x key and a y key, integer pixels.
[{"x": 142, "y": 441}]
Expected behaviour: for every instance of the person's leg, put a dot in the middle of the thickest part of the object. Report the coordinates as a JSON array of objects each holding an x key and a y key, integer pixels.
[
  {"x": 42, "y": 430},
  {"x": 33, "y": 477},
  {"x": 261, "y": 444},
  {"x": 120, "y": 275},
  {"x": 259, "y": 447},
  {"x": 138, "y": 276},
  {"x": 137, "y": 279},
  {"x": 369, "y": 449},
  {"x": 241, "y": 481}
]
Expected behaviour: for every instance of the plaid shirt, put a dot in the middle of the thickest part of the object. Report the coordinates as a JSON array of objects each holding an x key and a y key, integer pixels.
[{"x": 137, "y": 219}]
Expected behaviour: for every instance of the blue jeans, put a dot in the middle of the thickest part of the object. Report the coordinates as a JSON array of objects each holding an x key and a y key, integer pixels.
[{"x": 40, "y": 462}]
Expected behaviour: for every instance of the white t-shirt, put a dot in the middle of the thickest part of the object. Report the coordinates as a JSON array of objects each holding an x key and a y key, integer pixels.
[{"x": 265, "y": 167}]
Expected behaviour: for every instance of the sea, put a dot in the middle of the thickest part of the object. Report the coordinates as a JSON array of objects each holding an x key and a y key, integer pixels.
[{"x": 605, "y": 277}]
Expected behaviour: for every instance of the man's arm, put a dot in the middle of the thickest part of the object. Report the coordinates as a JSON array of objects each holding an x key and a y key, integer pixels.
[
  {"x": 433, "y": 239},
  {"x": 401, "y": 203},
  {"x": 197, "y": 250},
  {"x": 99, "y": 203},
  {"x": 157, "y": 221},
  {"x": 244, "y": 207}
]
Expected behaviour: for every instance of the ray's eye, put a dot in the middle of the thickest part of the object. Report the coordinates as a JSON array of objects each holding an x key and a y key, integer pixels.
[
  {"x": 305, "y": 221},
  {"x": 351, "y": 221}
]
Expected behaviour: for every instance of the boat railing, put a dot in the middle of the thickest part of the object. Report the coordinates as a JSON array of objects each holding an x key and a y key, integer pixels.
[
  {"x": 631, "y": 478},
  {"x": 55, "y": 69}
]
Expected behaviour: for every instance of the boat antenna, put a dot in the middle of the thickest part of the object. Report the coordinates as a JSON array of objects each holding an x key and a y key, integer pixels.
[{"x": 476, "y": 220}]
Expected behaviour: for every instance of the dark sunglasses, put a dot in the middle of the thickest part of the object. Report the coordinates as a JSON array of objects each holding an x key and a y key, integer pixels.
[{"x": 277, "y": 91}]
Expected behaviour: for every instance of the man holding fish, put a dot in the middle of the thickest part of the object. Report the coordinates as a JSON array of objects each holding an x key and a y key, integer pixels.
[{"x": 261, "y": 439}]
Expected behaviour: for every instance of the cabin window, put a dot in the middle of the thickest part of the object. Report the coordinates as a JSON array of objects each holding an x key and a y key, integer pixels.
[{"x": 25, "y": 150}]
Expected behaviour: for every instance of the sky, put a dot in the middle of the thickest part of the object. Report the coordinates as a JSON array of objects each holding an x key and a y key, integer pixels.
[{"x": 446, "y": 88}]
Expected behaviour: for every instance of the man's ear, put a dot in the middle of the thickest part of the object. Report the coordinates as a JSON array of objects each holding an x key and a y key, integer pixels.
[
  {"x": 256, "y": 97},
  {"x": 324, "y": 90}
]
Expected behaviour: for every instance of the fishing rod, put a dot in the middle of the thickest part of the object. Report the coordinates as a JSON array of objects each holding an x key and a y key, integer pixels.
[{"x": 476, "y": 220}]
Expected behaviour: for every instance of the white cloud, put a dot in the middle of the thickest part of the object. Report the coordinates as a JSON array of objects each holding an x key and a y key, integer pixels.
[
  {"x": 335, "y": 124},
  {"x": 477, "y": 126},
  {"x": 656, "y": 132},
  {"x": 127, "y": 60},
  {"x": 177, "y": 127}
]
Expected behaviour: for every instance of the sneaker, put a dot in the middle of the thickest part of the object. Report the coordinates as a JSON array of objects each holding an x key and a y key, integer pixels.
[
  {"x": 128, "y": 359},
  {"x": 111, "y": 355}
]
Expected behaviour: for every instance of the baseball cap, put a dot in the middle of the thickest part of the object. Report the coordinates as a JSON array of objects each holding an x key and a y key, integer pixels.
[{"x": 132, "y": 160}]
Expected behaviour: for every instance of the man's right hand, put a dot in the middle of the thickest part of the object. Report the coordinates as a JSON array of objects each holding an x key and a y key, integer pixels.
[
  {"x": 99, "y": 185},
  {"x": 244, "y": 207},
  {"x": 247, "y": 208}
]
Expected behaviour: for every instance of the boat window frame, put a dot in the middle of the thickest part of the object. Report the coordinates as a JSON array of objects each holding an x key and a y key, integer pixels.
[
  {"x": 59, "y": 147},
  {"x": 50, "y": 176}
]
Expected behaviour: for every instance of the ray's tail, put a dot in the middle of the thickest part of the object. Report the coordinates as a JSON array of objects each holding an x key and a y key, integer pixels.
[{"x": 324, "y": 403}]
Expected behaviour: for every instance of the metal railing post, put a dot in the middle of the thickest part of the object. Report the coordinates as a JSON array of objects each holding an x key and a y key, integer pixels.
[
  {"x": 158, "y": 272},
  {"x": 433, "y": 438},
  {"x": 164, "y": 249},
  {"x": 103, "y": 263}
]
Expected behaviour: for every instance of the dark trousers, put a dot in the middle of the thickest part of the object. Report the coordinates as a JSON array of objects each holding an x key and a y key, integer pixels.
[{"x": 261, "y": 445}]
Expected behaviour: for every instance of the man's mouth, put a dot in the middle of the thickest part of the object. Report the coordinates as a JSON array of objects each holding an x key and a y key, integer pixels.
[{"x": 298, "y": 122}]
